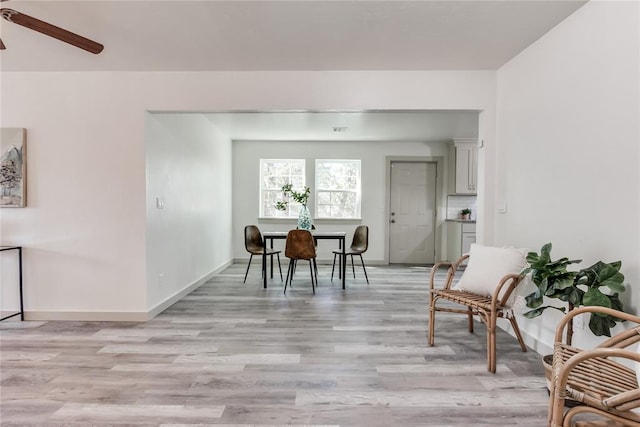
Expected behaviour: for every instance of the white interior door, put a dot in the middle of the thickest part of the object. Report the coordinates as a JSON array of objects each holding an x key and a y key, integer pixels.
[{"x": 412, "y": 213}]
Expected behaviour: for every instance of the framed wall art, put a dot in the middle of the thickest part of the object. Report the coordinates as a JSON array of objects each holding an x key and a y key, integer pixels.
[{"x": 13, "y": 168}]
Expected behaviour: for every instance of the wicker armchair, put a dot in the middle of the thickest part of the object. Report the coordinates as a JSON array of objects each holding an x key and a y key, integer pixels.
[
  {"x": 600, "y": 385},
  {"x": 488, "y": 309}
]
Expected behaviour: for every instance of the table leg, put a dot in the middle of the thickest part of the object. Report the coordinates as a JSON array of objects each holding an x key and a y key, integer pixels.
[
  {"x": 264, "y": 262},
  {"x": 344, "y": 262},
  {"x": 271, "y": 246}
]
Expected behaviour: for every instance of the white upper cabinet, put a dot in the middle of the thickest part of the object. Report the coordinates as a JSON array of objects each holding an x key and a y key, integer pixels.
[{"x": 466, "y": 166}]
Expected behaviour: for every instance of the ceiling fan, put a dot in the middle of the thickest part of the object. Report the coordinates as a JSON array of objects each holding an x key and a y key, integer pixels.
[{"x": 49, "y": 30}]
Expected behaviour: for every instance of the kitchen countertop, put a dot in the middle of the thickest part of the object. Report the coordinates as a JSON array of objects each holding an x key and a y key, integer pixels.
[{"x": 471, "y": 221}]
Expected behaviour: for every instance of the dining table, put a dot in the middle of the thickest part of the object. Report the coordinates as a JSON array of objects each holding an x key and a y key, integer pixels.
[{"x": 269, "y": 236}]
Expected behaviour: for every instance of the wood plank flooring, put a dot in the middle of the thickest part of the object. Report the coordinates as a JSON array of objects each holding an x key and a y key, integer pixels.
[{"x": 235, "y": 354}]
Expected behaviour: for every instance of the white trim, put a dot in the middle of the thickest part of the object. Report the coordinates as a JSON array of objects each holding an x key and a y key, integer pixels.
[
  {"x": 357, "y": 213},
  {"x": 531, "y": 341},
  {"x": 124, "y": 316},
  {"x": 298, "y": 162},
  {"x": 168, "y": 302},
  {"x": 88, "y": 316}
]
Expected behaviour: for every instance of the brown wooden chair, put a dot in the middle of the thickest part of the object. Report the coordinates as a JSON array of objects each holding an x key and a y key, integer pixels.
[
  {"x": 315, "y": 242},
  {"x": 600, "y": 384},
  {"x": 254, "y": 244},
  {"x": 300, "y": 246},
  {"x": 488, "y": 309},
  {"x": 359, "y": 245}
]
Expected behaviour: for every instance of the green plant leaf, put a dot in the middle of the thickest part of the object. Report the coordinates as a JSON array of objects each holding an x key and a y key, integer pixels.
[
  {"x": 600, "y": 272},
  {"x": 534, "y": 299},
  {"x": 534, "y": 313},
  {"x": 614, "y": 282},
  {"x": 577, "y": 288},
  {"x": 538, "y": 311},
  {"x": 599, "y": 326},
  {"x": 593, "y": 296},
  {"x": 616, "y": 304},
  {"x": 562, "y": 294},
  {"x": 300, "y": 197},
  {"x": 576, "y": 296},
  {"x": 564, "y": 282},
  {"x": 543, "y": 286},
  {"x": 532, "y": 258}
]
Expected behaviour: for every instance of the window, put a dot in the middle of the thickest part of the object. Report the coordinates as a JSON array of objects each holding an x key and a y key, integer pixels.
[
  {"x": 337, "y": 188},
  {"x": 274, "y": 173}
]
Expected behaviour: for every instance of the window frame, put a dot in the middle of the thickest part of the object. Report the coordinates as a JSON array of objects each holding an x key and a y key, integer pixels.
[
  {"x": 357, "y": 213},
  {"x": 292, "y": 211}
]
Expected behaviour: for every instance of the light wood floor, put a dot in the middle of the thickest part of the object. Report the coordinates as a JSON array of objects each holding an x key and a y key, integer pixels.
[{"x": 237, "y": 355}]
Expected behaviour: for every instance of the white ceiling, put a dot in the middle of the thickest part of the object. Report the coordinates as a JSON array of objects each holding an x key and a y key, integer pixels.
[
  {"x": 428, "y": 126},
  {"x": 212, "y": 35},
  {"x": 203, "y": 35}
]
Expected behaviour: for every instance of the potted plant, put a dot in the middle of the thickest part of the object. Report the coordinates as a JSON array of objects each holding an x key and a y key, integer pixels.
[
  {"x": 465, "y": 213},
  {"x": 575, "y": 288},
  {"x": 302, "y": 197}
]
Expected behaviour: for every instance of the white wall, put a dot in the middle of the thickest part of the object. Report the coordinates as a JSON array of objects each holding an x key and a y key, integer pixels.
[
  {"x": 84, "y": 230},
  {"x": 568, "y": 137},
  {"x": 373, "y": 155},
  {"x": 83, "y": 227},
  {"x": 189, "y": 172}
]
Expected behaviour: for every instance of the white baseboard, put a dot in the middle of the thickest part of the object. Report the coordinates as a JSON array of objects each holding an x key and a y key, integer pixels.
[
  {"x": 168, "y": 302},
  {"x": 88, "y": 316},
  {"x": 531, "y": 341},
  {"x": 123, "y": 316}
]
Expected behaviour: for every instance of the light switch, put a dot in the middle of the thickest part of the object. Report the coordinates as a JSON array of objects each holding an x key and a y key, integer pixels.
[
  {"x": 159, "y": 203},
  {"x": 502, "y": 207}
]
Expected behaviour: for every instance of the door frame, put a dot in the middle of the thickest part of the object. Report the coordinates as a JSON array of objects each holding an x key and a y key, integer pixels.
[{"x": 440, "y": 199}]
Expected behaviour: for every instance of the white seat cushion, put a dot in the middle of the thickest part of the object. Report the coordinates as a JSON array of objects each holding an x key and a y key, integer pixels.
[{"x": 487, "y": 266}]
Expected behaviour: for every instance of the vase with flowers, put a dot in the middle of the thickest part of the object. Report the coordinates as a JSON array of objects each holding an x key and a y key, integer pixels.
[{"x": 302, "y": 197}]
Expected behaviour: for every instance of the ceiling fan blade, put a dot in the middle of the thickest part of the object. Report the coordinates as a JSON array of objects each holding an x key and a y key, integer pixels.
[{"x": 51, "y": 30}]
